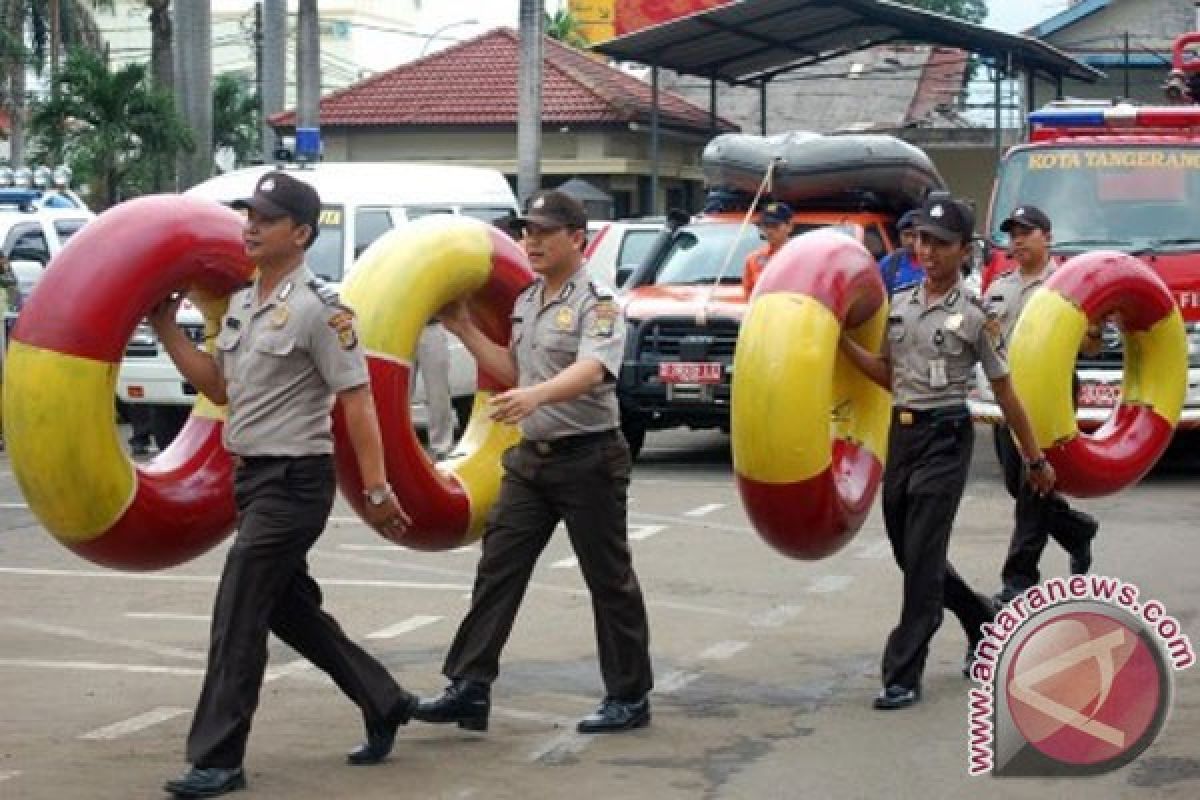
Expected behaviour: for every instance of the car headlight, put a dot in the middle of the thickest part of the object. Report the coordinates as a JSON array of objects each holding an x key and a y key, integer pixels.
[
  {"x": 143, "y": 335},
  {"x": 1193, "y": 343}
]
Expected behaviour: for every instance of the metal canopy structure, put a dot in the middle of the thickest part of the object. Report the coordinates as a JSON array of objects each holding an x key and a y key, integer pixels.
[{"x": 752, "y": 41}]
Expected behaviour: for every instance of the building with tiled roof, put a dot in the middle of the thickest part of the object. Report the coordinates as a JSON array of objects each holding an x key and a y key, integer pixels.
[{"x": 459, "y": 105}]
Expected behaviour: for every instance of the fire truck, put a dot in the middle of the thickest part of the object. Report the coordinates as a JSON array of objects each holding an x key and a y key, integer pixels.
[{"x": 1113, "y": 176}]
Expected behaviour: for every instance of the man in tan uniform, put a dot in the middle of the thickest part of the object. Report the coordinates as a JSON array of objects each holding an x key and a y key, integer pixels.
[
  {"x": 286, "y": 349},
  {"x": 568, "y": 337},
  {"x": 936, "y": 334}
]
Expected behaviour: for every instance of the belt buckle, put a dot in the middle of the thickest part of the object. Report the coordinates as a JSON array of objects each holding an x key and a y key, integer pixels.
[
  {"x": 543, "y": 448},
  {"x": 907, "y": 418}
]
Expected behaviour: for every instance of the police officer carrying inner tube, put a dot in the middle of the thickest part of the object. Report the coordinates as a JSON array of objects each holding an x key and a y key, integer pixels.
[
  {"x": 935, "y": 336},
  {"x": 1036, "y": 516},
  {"x": 285, "y": 350},
  {"x": 572, "y": 464}
]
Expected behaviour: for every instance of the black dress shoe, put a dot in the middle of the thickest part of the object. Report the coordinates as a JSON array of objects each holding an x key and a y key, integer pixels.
[
  {"x": 896, "y": 697},
  {"x": 467, "y": 703},
  {"x": 207, "y": 782},
  {"x": 614, "y": 716},
  {"x": 381, "y": 737}
]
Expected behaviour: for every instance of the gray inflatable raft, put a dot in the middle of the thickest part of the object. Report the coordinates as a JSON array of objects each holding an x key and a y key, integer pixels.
[{"x": 863, "y": 168}]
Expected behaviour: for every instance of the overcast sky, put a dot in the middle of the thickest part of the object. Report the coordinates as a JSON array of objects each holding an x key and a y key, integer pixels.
[{"x": 1006, "y": 15}]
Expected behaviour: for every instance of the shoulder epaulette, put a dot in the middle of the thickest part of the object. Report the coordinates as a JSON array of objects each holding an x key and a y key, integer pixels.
[
  {"x": 327, "y": 294},
  {"x": 600, "y": 291}
]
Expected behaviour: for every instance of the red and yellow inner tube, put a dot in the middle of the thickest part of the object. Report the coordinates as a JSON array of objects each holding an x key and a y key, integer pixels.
[
  {"x": 809, "y": 429},
  {"x": 60, "y": 381},
  {"x": 401, "y": 281},
  {"x": 1089, "y": 289}
]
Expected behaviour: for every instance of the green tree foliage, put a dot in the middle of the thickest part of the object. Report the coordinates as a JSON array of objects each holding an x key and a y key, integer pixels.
[
  {"x": 113, "y": 128},
  {"x": 562, "y": 26},
  {"x": 235, "y": 117},
  {"x": 970, "y": 10}
]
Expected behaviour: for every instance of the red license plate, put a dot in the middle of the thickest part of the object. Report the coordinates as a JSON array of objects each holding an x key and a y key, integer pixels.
[
  {"x": 689, "y": 372},
  {"x": 1099, "y": 395}
]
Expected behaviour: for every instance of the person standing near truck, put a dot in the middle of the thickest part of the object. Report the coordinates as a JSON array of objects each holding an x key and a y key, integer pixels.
[{"x": 775, "y": 224}]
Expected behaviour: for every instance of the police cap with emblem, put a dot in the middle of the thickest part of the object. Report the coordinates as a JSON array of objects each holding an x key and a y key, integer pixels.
[
  {"x": 1026, "y": 217},
  {"x": 278, "y": 194},
  {"x": 554, "y": 209},
  {"x": 947, "y": 220}
]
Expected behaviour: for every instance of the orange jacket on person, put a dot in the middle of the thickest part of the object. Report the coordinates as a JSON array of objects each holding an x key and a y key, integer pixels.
[{"x": 755, "y": 263}]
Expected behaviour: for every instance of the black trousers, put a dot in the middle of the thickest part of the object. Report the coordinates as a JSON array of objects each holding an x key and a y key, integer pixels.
[
  {"x": 585, "y": 485},
  {"x": 1036, "y": 518},
  {"x": 923, "y": 482},
  {"x": 283, "y": 505}
]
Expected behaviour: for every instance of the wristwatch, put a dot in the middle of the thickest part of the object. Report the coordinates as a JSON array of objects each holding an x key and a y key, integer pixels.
[
  {"x": 1037, "y": 464},
  {"x": 377, "y": 495}
]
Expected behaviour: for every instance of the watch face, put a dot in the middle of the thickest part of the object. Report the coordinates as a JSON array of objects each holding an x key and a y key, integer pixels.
[{"x": 376, "y": 496}]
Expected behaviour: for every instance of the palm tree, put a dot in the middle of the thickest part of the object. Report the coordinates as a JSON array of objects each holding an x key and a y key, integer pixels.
[
  {"x": 26, "y": 30},
  {"x": 112, "y": 127},
  {"x": 235, "y": 117}
]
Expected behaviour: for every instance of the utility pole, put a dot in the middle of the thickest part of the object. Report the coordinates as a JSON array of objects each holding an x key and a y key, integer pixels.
[
  {"x": 308, "y": 81},
  {"x": 529, "y": 99},
  {"x": 274, "y": 69},
  {"x": 193, "y": 87}
]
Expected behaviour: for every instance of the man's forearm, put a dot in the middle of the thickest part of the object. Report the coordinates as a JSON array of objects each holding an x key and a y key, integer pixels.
[
  {"x": 574, "y": 381},
  {"x": 197, "y": 367},
  {"x": 362, "y": 425}
]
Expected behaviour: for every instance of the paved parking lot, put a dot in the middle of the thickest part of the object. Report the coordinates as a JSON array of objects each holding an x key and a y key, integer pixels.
[{"x": 765, "y": 666}]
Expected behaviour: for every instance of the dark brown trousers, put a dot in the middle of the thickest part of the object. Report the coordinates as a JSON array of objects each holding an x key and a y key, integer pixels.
[
  {"x": 582, "y": 481},
  {"x": 283, "y": 505}
]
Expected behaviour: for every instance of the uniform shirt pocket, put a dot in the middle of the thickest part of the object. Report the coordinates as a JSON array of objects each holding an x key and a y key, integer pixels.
[
  {"x": 227, "y": 340},
  {"x": 954, "y": 343},
  {"x": 562, "y": 343},
  {"x": 280, "y": 345}
]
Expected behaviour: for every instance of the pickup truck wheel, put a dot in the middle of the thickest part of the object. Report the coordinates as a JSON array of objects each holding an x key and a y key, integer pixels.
[{"x": 634, "y": 431}]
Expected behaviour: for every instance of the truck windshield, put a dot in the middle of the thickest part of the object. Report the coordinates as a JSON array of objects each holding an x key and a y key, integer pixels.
[
  {"x": 699, "y": 252},
  {"x": 326, "y": 256},
  {"x": 1122, "y": 196}
]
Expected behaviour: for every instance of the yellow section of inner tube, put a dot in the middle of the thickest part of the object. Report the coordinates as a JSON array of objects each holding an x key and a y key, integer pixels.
[
  {"x": 1041, "y": 356},
  {"x": 783, "y": 389},
  {"x": 62, "y": 441},
  {"x": 409, "y": 274},
  {"x": 862, "y": 408},
  {"x": 1156, "y": 367},
  {"x": 479, "y": 470}
]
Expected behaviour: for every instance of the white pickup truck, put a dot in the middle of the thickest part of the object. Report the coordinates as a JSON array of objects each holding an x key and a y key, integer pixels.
[{"x": 360, "y": 202}]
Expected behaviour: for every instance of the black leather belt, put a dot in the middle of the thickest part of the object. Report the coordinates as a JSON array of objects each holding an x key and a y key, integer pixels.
[
  {"x": 925, "y": 416},
  {"x": 567, "y": 443}
]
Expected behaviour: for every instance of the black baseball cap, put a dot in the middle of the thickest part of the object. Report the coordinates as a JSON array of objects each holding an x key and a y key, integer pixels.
[
  {"x": 278, "y": 194},
  {"x": 908, "y": 220},
  {"x": 946, "y": 219},
  {"x": 554, "y": 209},
  {"x": 1027, "y": 216}
]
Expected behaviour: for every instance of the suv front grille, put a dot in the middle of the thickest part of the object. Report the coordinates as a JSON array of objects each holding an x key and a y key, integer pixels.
[
  {"x": 149, "y": 349},
  {"x": 681, "y": 338}
]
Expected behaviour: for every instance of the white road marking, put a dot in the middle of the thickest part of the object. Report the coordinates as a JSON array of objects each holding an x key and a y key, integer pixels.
[
  {"x": 532, "y": 716},
  {"x": 703, "y": 511},
  {"x": 286, "y": 670},
  {"x": 775, "y": 617},
  {"x": 401, "y": 628},
  {"x": 642, "y": 532},
  {"x": 463, "y": 589},
  {"x": 96, "y": 666},
  {"x": 828, "y": 584},
  {"x": 555, "y": 750},
  {"x": 566, "y": 563},
  {"x": 135, "y": 724},
  {"x": 85, "y": 636},
  {"x": 14, "y": 505},
  {"x": 166, "y": 616},
  {"x": 674, "y": 680},
  {"x": 370, "y": 548},
  {"x": 722, "y": 651},
  {"x": 9, "y": 774},
  {"x": 692, "y": 522}
]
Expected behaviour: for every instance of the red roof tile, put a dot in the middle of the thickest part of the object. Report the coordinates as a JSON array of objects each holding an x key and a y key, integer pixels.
[{"x": 475, "y": 83}]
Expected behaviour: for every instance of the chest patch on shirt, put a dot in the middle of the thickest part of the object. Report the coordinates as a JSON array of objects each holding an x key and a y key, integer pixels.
[
  {"x": 604, "y": 319},
  {"x": 564, "y": 319},
  {"x": 343, "y": 323}
]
